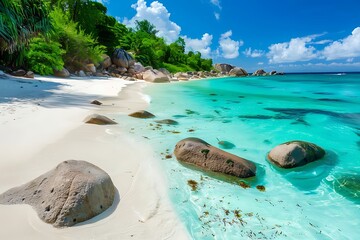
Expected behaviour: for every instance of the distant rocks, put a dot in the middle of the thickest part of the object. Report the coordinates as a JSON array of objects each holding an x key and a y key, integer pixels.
[
  {"x": 29, "y": 74},
  {"x": 261, "y": 72},
  {"x": 223, "y": 67},
  {"x": 18, "y": 73},
  {"x": 295, "y": 154},
  {"x": 64, "y": 73},
  {"x": 121, "y": 58},
  {"x": 106, "y": 61},
  {"x": 198, "y": 152},
  {"x": 238, "y": 72},
  {"x": 155, "y": 76},
  {"x": 99, "y": 120},
  {"x": 139, "y": 68},
  {"x": 73, "y": 192},
  {"x": 142, "y": 114}
]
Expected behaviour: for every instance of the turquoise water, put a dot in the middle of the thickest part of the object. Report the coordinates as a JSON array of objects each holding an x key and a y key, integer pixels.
[{"x": 256, "y": 114}]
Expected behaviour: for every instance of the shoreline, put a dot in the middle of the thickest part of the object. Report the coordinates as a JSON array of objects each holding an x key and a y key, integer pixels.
[{"x": 142, "y": 204}]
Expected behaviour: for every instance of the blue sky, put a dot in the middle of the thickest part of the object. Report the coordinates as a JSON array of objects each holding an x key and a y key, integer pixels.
[{"x": 283, "y": 35}]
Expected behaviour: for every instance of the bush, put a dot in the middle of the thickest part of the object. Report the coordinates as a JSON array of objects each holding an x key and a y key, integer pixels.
[
  {"x": 80, "y": 48},
  {"x": 177, "y": 68},
  {"x": 44, "y": 56}
]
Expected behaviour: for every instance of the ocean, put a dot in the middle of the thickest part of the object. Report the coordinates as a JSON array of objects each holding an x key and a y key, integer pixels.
[{"x": 254, "y": 114}]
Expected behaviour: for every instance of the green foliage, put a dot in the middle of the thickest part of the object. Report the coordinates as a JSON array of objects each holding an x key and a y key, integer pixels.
[
  {"x": 146, "y": 26},
  {"x": 80, "y": 47},
  {"x": 177, "y": 68},
  {"x": 81, "y": 31},
  {"x": 20, "y": 20},
  {"x": 44, "y": 56}
]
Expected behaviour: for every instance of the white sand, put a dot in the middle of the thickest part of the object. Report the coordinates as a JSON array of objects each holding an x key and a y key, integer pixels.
[{"x": 41, "y": 125}]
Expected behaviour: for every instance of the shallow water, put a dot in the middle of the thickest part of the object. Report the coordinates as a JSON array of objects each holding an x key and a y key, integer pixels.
[{"x": 255, "y": 114}]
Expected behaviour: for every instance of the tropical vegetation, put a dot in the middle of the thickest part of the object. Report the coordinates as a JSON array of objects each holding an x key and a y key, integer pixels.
[{"x": 46, "y": 35}]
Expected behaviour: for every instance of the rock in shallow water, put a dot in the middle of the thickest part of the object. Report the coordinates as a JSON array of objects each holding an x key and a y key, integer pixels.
[
  {"x": 99, "y": 120},
  {"x": 198, "y": 152},
  {"x": 73, "y": 192},
  {"x": 142, "y": 114},
  {"x": 167, "y": 121},
  {"x": 295, "y": 154}
]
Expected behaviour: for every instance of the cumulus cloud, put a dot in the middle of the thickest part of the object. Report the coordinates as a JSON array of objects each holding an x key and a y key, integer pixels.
[
  {"x": 348, "y": 47},
  {"x": 229, "y": 48},
  {"x": 297, "y": 49},
  {"x": 217, "y": 15},
  {"x": 253, "y": 53},
  {"x": 200, "y": 45},
  {"x": 158, "y": 15}
]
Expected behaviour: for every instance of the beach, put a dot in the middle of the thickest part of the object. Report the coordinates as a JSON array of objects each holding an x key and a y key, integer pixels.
[{"x": 41, "y": 125}]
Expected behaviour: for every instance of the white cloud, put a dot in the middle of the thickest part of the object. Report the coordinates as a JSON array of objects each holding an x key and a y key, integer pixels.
[
  {"x": 216, "y": 3},
  {"x": 229, "y": 48},
  {"x": 201, "y": 45},
  {"x": 158, "y": 15},
  {"x": 295, "y": 50},
  {"x": 217, "y": 15},
  {"x": 253, "y": 53},
  {"x": 260, "y": 63},
  {"x": 344, "y": 48},
  {"x": 321, "y": 42}
]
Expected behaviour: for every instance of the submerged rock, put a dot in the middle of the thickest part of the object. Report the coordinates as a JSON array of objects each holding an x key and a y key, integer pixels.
[
  {"x": 347, "y": 185},
  {"x": 142, "y": 114},
  {"x": 73, "y": 192},
  {"x": 167, "y": 121},
  {"x": 198, "y": 152},
  {"x": 226, "y": 144},
  {"x": 99, "y": 120},
  {"x": 295, "y": 154}
]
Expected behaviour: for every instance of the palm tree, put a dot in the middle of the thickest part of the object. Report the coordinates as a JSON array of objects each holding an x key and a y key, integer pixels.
[{"x": 20, "y": 20}]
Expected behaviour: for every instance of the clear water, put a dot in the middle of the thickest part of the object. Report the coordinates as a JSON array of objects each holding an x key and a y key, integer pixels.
[{"x": 256, "y": 114}]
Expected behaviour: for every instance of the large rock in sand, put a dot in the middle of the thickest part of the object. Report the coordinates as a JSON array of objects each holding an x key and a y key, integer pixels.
[
  {"x": 121, "y": 58},
  {"x": 64, "y": 73},
  {"x": 73, "y": 192},
  {"x": 99, "y": 120},
  {"x": 155, "y": 76},
  {"x": 198, "y": 152},
  {"x": 295, "y": 154},
  {"x": 106, "y": 61}
]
